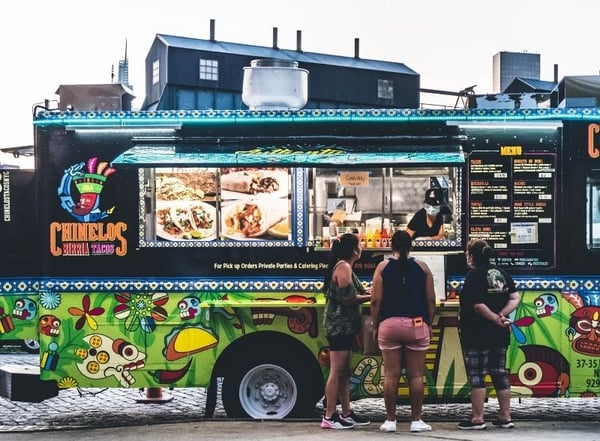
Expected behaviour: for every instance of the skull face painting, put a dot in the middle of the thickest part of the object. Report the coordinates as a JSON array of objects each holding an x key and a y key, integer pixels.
[{"x": 106, "y": 357}]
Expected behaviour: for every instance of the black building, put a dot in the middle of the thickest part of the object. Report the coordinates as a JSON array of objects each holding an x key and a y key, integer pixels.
[{"x": 189, "y": 73}]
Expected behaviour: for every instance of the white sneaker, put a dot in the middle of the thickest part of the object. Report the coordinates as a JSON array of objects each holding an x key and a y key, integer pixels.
[
  {"x": 419, "y": 426},
  {"x": 388, "y": 426}
]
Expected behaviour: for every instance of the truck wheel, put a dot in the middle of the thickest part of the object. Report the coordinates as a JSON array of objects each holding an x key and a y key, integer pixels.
[
  {"x": 264, "y": 390},
  {"x": 31, "y": 345}
]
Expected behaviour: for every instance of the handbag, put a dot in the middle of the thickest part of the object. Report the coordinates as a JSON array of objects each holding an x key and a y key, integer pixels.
[{"x": 370, "y": 346}]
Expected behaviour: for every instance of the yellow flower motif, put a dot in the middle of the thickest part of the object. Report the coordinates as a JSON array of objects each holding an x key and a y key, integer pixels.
[{"x": 67, "y": 383}]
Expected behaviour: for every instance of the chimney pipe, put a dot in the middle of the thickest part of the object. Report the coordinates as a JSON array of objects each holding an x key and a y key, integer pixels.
[
  {"x": 299, "y": 41},
  {"x": 356, "y": 51},
  {"x": 556, "y": 73},
  {"x": 212, "y": 29},
  {"x": 275, "y": 38}
]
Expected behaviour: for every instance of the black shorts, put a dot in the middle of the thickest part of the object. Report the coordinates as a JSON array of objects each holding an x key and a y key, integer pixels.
[{"x": 340, "y": 342}]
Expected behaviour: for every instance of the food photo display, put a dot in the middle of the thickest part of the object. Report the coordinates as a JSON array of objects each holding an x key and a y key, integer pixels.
[{"x": 204, "y": 204}]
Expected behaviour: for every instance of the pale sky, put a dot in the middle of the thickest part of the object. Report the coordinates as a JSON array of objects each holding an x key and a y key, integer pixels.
[{"x": 449, "y": 43}]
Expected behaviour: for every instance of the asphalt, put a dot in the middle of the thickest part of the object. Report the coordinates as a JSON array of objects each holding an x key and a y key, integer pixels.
[{"x": 102, "y": 408}]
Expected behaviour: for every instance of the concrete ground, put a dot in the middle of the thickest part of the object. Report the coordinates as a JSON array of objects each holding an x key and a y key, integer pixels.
[{"x": 125, "y": 409}]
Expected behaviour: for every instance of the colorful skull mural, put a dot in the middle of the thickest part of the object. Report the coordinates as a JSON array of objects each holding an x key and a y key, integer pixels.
[
  {"x": 50, "y": 325},
  {"x": 106, "y": 357}
]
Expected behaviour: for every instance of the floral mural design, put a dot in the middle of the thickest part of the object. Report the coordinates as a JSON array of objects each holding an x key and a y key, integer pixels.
[
  {"x": 50, "y": 299},
  {"x": 86, "y": 314},
  {"x": 141, "y": 310}
]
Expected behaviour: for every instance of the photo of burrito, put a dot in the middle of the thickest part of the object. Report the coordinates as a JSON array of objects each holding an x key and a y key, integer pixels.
[
  {"x": 254, "y": 182},
  {"x": 252, "y": 218}
]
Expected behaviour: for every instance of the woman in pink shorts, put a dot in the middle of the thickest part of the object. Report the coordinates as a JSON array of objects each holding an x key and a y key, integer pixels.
[{"x": 402, "y": 309}]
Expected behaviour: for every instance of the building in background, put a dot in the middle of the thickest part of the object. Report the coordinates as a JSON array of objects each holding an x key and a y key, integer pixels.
[
  {"x": 578, "y": 91},
  {"x": 94, "y": 97},
  {"x": 190, "y": 73},
  {"x": 509, "y": 65}
]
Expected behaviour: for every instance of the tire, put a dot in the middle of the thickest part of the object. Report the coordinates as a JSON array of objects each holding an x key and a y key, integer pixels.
[
  {"x": 31, "y": 346},
  {"x": 266, "y": 390}
]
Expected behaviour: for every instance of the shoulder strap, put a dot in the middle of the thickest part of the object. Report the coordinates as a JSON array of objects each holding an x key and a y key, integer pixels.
[{"x": 337, "y": 263}]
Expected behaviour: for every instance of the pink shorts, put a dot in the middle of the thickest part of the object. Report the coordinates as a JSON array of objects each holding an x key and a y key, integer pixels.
[{"x": 401, "y": 332}]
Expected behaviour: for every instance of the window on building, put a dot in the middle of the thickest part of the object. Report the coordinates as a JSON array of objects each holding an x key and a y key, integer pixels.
[
  {"x": 155, "y": 71},
  {"x": 385, "y": 89},
  {"x": 209, "y": 70}
]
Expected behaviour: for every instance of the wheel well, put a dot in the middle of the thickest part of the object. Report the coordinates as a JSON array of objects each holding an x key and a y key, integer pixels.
[{"x": 265, "y": 344}]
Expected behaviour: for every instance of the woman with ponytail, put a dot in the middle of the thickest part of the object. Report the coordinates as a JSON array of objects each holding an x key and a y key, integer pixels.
[
  {"x": 344, "y": 293},
  {"x": 402, "y": 310}
]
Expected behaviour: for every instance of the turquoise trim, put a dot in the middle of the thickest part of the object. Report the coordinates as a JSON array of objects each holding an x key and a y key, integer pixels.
[
  {"x": 550, "y": 283},
  {"x": 13, "y": 286},
  {"x": 140, "y": 119}
]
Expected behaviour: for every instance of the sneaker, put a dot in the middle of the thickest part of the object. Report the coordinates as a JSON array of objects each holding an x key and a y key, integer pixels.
[
  {"x": 335, "y": 422},
  {"x": 503, "y": 424},
  {"x": 355, "y": 419},
  {"x": 469, "y": 425},
  {"x": 419, "y": 426},
  {"x": 388, "y": 426}
]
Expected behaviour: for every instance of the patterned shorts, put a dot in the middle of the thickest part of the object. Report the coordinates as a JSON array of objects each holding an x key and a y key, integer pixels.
[{"x": 480, "y": 361}]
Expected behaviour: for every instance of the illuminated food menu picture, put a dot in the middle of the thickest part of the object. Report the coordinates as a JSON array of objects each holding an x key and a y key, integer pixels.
[
  {"x": 255, "y": 203},
  {"x": 207, "y": 204},
  {"x": 186, "y": 204},
  {"x": 511, "y": 203}
]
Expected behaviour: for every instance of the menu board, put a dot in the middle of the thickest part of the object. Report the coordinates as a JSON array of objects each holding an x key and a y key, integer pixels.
[{"x": 511, "y": 203}]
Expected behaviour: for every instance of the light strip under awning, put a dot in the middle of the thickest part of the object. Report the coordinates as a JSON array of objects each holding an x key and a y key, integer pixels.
[{"x": 286, "y": 155}]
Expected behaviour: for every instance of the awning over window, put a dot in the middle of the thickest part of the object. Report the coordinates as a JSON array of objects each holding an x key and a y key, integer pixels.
[{"x": 322, "y": 155}]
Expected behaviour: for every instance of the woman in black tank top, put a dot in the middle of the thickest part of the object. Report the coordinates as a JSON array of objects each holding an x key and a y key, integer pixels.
[{"x": 402, "y": 310}]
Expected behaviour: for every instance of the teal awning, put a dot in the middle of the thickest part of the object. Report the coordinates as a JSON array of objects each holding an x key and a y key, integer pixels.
[{"x": 322, "y": 155}]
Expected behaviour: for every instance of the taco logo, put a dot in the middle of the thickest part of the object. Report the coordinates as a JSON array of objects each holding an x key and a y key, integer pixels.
[
  {"x": 84, "y": 182},
  {"x": 88, "y": 178}
]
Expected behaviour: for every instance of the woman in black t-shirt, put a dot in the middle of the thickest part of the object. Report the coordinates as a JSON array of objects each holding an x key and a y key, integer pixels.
[{"x": 488, "y": 297}]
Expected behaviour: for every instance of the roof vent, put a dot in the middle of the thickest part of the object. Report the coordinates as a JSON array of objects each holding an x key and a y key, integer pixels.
[{"x": 275, "y": 85}]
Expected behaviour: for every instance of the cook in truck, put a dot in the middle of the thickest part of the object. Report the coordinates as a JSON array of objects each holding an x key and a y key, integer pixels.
[{"x": 428, "y": 222}]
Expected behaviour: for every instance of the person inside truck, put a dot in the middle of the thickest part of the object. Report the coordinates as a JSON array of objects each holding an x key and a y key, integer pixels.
[{"x": 428, "y": 222}]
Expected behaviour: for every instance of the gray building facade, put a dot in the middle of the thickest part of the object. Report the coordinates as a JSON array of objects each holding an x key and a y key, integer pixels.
[{"x": 509, "y": 65}]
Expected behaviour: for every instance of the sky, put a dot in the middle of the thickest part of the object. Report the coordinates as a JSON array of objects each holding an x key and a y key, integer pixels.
[{"x": 450, "y": 44}]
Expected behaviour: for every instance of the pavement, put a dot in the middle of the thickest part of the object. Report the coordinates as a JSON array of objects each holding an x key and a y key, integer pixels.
[{"x": 115, "y": 408}]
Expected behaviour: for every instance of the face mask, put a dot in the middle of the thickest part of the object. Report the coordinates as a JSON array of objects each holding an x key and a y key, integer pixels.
[{"x": 432, "y": 210}]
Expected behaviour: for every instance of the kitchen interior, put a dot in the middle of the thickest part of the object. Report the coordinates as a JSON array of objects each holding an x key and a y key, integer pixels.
[{"x": 375, "y": 202}]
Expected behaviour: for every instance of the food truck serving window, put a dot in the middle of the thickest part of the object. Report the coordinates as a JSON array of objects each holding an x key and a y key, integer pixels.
[
  {"x": 286, "y": 195},
  {"x": 374, "y": 202}
]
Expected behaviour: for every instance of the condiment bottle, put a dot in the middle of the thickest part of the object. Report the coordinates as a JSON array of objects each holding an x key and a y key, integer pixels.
[
  {"x": 385, "y": 238},
  {"x": 377, "y": 237},
  {"x": 370, "y": 238},
  {"x": 362, "y": 235}
]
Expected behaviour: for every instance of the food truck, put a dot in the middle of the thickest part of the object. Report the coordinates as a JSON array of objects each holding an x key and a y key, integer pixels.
[{"x": 152, "y": 249}]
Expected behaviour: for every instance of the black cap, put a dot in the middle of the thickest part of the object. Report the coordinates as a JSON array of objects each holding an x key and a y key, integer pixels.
[{"x": 434, "y": 196}]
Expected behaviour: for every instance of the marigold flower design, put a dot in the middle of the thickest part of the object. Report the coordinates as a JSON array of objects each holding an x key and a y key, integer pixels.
[
  {"x": 67, "y": 383},
  {"x": 141, "y": 310},
  {"x": 86, "y": 314}
]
